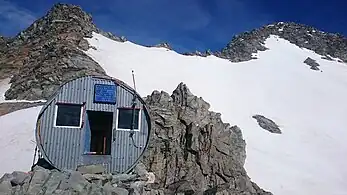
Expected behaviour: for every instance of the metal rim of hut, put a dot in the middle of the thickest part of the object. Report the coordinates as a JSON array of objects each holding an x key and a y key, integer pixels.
[{"x": 50, "y": 100}]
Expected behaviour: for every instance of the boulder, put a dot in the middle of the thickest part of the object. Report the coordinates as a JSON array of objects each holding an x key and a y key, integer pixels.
[
  {"x": 267, "y": 124},
  {"x": 91, "y": 169}
]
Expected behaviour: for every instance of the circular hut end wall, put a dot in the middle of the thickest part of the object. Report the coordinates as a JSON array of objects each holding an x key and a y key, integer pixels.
[{"x": 88, "y": 121}]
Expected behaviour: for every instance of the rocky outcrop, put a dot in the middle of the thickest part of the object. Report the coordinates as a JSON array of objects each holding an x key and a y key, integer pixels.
[
  {"x": 198, "y": 53},
  {"x": 53, "y": 182},
  {"x": 312, "y": 63},
  {"x": 3, "y": 45},
  {"x": 267, "y": 124},
  {"x": 242, "y": 46},
  {"x": 164, "y": 45},
  {"x": 49, "y": 53},
  {"x": 191, "y": 151}
]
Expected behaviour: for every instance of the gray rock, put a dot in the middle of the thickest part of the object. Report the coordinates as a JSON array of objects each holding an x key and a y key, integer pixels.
[
  {"x": 109, "y": 189},
  {"x": 198, "y": 53},
  {"x": 267, "y": 124},
  {"x": 104, "y": 178},
  {"x": 48, "y": 53},
  {"x": 37, "y": 180},
  {"x": 5, "y": 188},
  {"x": 52, "y": 184},
  {"x": 91, "y": 169},
  {"x": 312, "y": 63},
  {"x": 75, "y": 182},
  {"x": 137, "y": 187},
  {"x": 164, "y": 45},
  {"x": 242, "y": 46},
  {"x": 19, "y": 178},
  {"x": 112, "y": 36},
  {"x": 140, "y": 170},
  {"x": 190, "y": 149},
  {"x": 123, "y": 178},
  {"x": 6, "y": 177}
]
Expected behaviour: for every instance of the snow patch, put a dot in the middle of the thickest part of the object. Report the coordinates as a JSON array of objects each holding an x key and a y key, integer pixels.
[
  {"x": 17, "y": 140},
  {"x": 309, "y": 157},
  {"x": 4, "y": 86}
]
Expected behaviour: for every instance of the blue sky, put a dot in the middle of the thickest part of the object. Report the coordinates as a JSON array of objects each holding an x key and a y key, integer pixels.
[{"x": 185, "y": 24}]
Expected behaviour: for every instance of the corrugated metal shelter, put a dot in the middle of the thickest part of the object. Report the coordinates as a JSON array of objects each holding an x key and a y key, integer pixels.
[{"x": 90, "y": 120}]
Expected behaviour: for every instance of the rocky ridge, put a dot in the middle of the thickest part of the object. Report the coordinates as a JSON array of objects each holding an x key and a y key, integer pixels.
[
  {"x": 242, "y": 46},
  {"x": 198, "y": 53},
  {"x": 164, "y": 45},
  {"x": 191, "y": 151},
  {"x": 49, "y": 53}
]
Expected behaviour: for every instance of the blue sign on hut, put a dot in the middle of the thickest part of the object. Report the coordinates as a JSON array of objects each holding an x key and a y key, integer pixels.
[{"x": 93, "y": 120}]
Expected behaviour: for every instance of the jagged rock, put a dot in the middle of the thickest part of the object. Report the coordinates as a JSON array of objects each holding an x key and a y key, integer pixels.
[
  {"x": 5, "y": 188},
  {"x": 198, "y": 53},
  {"x": 91, "y": 169},
  {"x": 326, "y": 57},
  {"x": 112, "y": 36},
  {"x": 312, "y": 63},
  {"x": 103, "y": 178},
  {"x": 267, "y": 124},
  {"x": 115, "y": 190},
  {"x": 242, "y": 46},
  {"x": 123, "y": 178},
  {"x": 38, "y": 178},
  {"x": 54, "y": 181},
  {"x": 191, "y": 150},
  {"x": 49, "y": 53},
  {"x": 16, "y": 178},
  {"x": 3, "y": 46},
  {"x": 164, "y": 45}
]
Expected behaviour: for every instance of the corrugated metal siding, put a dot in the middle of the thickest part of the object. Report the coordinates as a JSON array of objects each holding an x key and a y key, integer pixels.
[{"x": 64, "y": 147}]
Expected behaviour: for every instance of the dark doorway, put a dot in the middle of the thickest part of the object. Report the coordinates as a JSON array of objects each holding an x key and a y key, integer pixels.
[{"x": 101, "y": 132}]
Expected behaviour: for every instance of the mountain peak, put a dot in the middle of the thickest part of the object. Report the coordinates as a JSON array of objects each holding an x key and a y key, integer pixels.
[
  {"x": 69, "y": 13},
  {"x": 243, "y": 45}
]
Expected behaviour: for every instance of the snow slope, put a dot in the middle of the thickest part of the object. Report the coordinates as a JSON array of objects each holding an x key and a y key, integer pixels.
[
  {"x": 17, "y": 140},
  {"x": 309, "y": 157},
  {"x": 17, "y": 135}
]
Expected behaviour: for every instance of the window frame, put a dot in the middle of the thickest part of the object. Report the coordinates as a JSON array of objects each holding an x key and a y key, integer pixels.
[
  {"x": 139, "y": 122},
  {"x": 56, "y": 115}
]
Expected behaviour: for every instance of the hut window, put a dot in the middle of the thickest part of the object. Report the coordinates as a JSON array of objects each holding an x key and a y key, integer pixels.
[
  {"x": 68, "y": 115},
  {"x": 124, "y": 119}
]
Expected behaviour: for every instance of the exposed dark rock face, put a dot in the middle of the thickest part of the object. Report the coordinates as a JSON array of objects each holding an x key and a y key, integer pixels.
[
  {"x": 191, "y": 151},
  {"x": 312, "y": 63},
  {"x": 164, "y": 45},
  {"x": 242, "y": 46},
  {"x": 3, "y": 45},
  {"x": 267, "y": 124},
  {"x": 49, "y": 53}
]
